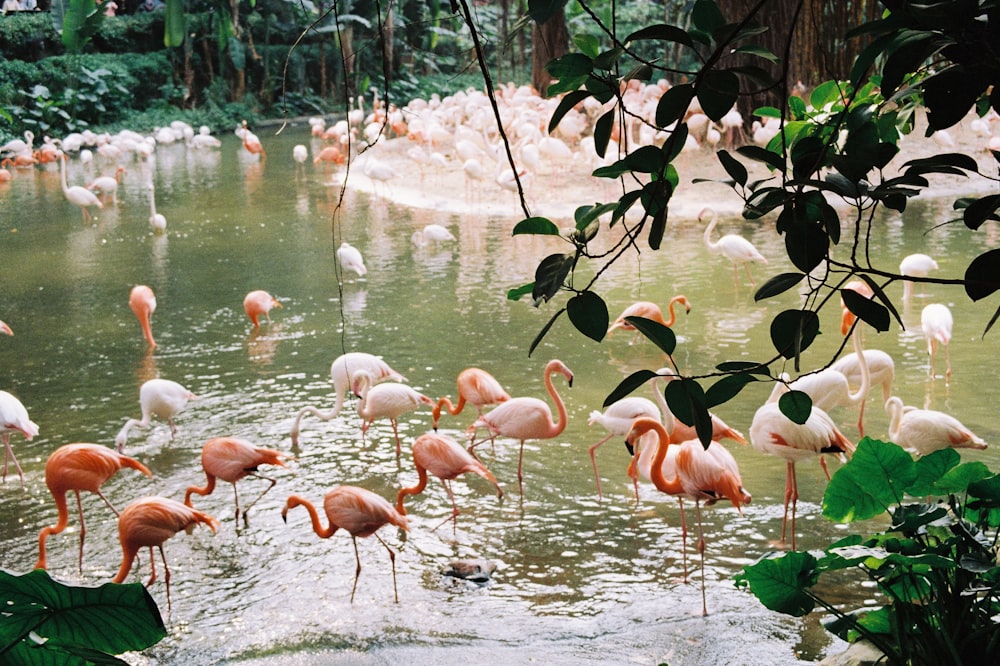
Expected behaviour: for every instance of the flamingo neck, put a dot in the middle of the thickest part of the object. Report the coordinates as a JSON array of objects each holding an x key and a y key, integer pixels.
[
  {"x": 671, "y": 486},
  {"x": 863, "y": 364},
  {"x": 560, "y": 425},
  {"x": 895, "y": 408},
  {"x": 207, "y": 490},
  {"x": 321, "y": 532},
  {"x": 415, "y": 490},
  {"x": 61, "y": 523},
  {"x": 707, "y": 236}
]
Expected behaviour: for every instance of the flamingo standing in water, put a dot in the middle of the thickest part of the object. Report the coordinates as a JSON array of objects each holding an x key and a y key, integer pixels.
[
  {"x": 445, "y": 458},
  {"x": 149, "y": 522},
  {"x": 157, "y": 397},
  {"x": 232, "y": 459},
  {"x": 924, "y": 431},
  {"x": 527, "y": 418},
  {"x": 350, "y": 259},
  {"x": 142, "y": 302},
  {"x": 475, "y": 387},
  {"x": 936, "y": 322},
  {"x": 76, "y": 467},
  {"x": 14, "y": 418},
  {"x": 388, "y": 400},
  {"x": 77, "y": 195},
  {"x": 734, "y": 248},
  {"x": 251, "y": 142},
  {"x": 649, "y": 310},
  {"x": 157, "y": 222},
  {"x": 257, "y": 303},
  {"x": 617, "y": 419},
  {"x": 360, "y": 513},
  {"x": 342, "y": 373},
  {"x": 700, "y": 474},
  {"x": 915, "y": 265},
  {"x": 107, "y": 185},
  {"x": 774, "y": 433}
]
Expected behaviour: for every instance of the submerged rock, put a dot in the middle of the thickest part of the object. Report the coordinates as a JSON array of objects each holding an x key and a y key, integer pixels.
[{"x": 475, "y": 570}]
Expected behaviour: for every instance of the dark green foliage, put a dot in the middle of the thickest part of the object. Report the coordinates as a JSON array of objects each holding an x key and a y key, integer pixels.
[{"x": 28, "y": 37}]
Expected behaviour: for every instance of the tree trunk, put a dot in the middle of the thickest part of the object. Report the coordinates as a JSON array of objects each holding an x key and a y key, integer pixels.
[{"x": 548, "y": 41}]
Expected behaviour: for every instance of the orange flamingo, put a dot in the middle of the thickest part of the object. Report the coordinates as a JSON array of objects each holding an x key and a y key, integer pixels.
[
  {"x": 157, "y": 397},
  {"x": 527, "y": 418},
  {"x": 446, "y": 459},
  {"x": 232, "y": 459},
  {"x": 681, "y": 431},
  {"x": 924, "y": 431},
  {"x": 252, "y": 143},
  {"x": 388, "y": 400},
  {"x": 774, "y": 433},
  {"x": 142, "y": 301},
  {"x": 342, "y": 372},
  {"x": 649, "y": 310},
  {"x": 360, "y": 513},
  {"x": 14, "y": 418},
  {"x": 149, "y": 522},
  {"x": 700, "y": 474},
  {"x": 79, "y": 467},
  {"x": 258, "y": 303},
  {"x": 476, "y": 387}
]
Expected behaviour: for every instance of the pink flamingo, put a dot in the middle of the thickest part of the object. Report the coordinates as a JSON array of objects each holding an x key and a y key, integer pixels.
[
  {"x": 76, "y": 195},
  {"x": 924, "y": 431},
  {"x": 108, "y": 185},
  {"x": 251, "y": 142},
  {"x": 257, "y": 303},
  {"x": 649, "y": 310},
  {"x": 445, "y": 458},
  {"x": 527, "y": 418},
  {"x": 699, "y": 474},
  {"x": 79, "y": 467},
  {"x": 936, "y": 322},
  {"x": 734, "y": 248},
  {"x": 476, "y": 387},
  {"x": 232, "y": 459},
  {"x": 388, "y": 400},
  {"x": 5, "y": 329},
  {"x": 360, "y": 513},
  {"x": 14, "y": 418},
  {"x": 157, "y": 397},
  {"x": 142, "y": 302},
  {"x": 617, "y": 419},
  {"x": 342, "y": 373}
]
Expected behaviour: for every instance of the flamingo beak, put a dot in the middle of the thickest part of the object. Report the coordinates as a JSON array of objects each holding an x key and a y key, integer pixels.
[{"x": 629, "y": 448}]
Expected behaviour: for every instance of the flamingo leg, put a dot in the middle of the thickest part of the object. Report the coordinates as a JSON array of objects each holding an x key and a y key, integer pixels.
[
  {"x": 792, "y": 496},
  {"x": 106, "y": 501},
  {"x": 392, "y": 560},
  {"x": 454, "y": 506},
  {"x": 684, "y": 538},
  {"x": 593, "y": 461},
  {"x": 752, "y": 283},
  {"x": 931, "y": 349},
  {"x": 357, "y": 571},
  {"x": 947, "y": 360},
  {"x": 861, "y": 418},
  {"x": 520, "y": 464},
  {"x": 701, "y": 551},
  {"x": 395, "y": 432},
  {"x": 250, "y": 505},
  {"x": 166, "y": 572},
  {"x": 9, "y": 452},
  {"x": 826, "y": 470},
  {"x": 152, "y": 566},
  {"x": 83, "y": 527}
]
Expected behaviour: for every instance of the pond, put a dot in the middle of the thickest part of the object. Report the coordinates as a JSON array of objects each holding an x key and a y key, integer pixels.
[{"x": 578, "y": 580}]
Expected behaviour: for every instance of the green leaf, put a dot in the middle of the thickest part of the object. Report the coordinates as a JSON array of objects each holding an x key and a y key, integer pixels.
[
  {"x": 602, "y": 132},
  {"x": 727, "y": 388},
  {"x": 550, "y": 275},
  {"x": 661, "y": 335},
  {"x": 780, "y": 582},
  {"x": 873, "y": 480},
  {"x": 108, "y": 620},
  {"x": 758, "y": 154},
  {"x": 867, "y": 310},
  {"x": 717, "y": 92},
  {"x": 568, "y": 101},
  {"x": 742, "y": 366},
  {"x": 792, "y": 331},
  {"x": 673, "y": 104},
  {"x": 174, "y": 23},
  {"x": 982, "y": 277},
  {"x": 661, "y": 32},
  {"x": 796, "y": 406},
  {"x": 929, "y": 469},
  {"x": 589, "y": 314},
  {"x": 589, "y": 45},
  {"x": 545, "y": 329},
  {"x": 807, "y": 245},
  {"x": 516, "y": 293},
  {"x": 778, "y": 284},
  {"x": 541, "y": 11},
  {"x": 536, "y": 225},
  {"x": 958, "y": 479},
  {"x": 734, "y": 168},
  {"x": 628, "y": 385},
  {"x": 705, "y": 16},
  {"x": 981, "y": 210},
  {"x": 759, "y": 51},
  {"x": 686, "y": 400}
]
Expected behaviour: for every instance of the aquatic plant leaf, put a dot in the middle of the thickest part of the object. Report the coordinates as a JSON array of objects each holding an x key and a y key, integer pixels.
[
  {"x": 958, "y": 479},
  {"x": 929, "y": 469},
  {"x": 780, "y": 582},
  {"x": 873, "y": 480},
  {"x": 535, "y": 225},
  {"x": 589, "y": 314},
  {"x": 661, "y": 335}
]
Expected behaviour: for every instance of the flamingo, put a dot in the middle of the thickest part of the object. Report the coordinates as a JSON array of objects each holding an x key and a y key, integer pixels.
[
  {"x": 350, "y": 258},
  {"x": 149, "y": 522},
  {"x": 108, "y": 185},
  {"x": 446, "y": 459},
  {"x": 617, "y": 419},
  {"x": 649, "y": 310},
  {"x": 76, "y": 195},
  {"x": 5, "y": 329},
  {"x": 386, "y": 400},
  {"x": 300, "y": 154},
  {"x": 924, "y": 431},
  {"x": 360, "y": 513},
  {"x": 157, "y": 397},
  {"x": 204, "y": 139},
  {"x": 14, "y": 418},
  {"x": 915, "y": 265},
  {"x": 431, "y": 233},
  {"x": 79, "y": 467},
  {"x": 142, "y": 302},
  {"x": 15, "y": 146},
  {"x": 936, "y": 322},
  {"x": 734, "y": 248},
  {"x": 232, "y": 459},
  {"x": 157, "y": 222},
  {"x": 527, "y": 418},
  {"x": 475, "y": 387},
  {"x": 774, "y": 433},
  {"x": 342, "y": 372},
  {"x": 251, "y": 142},
  {"x": 330, "y": 155},
  {"x": 257, "y": 303},
  {"x": 700, "y": 474},
  {"x": 681, "y": 431}
]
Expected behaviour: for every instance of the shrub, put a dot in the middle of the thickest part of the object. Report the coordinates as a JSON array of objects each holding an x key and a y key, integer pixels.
[{"x": 28, "y": 37}]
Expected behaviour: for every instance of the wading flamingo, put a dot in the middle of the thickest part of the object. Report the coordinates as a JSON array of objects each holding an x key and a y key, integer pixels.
[
  {"x": 734, "y": 248},
  {"x": 475, "y": 387},
  {"x": 700, "y": 474},
  {"x": 76, "y": 467},
  {"x": 232, "y": 459},
  {"x": 142, "y": 302},
  {"x": 527, "y": 418},
  {"x": 257, "y": 303},
  {"x": 388, "y": 400},
  {"x": 774, "y": 433},
  {"x": 77, "y": 195},
  {"x": 14, "y": 418},
  {"x": 149, "y": 522},
  {"x": 617, "y": 419},
  {"x": 431, "y": 233},
  {"x": 924, "y": 431},
  {"x": 107, "y": 186},
  {"x": 342, "y": 373},
  {"x": 649, "y": 310},
  {"x": 936, "y": 322},
  {"x": 252, "y": 143},
  {"x": 446, "y": 459},
  {"x": 350, "y": 259},
  {"x": 681, "y": 431},
  {"x": 915, "y": 265},
  {"x": 157, "y": 222},
  {"x": 162, "y": 398},
  {"x": 357, "y": 511}
]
